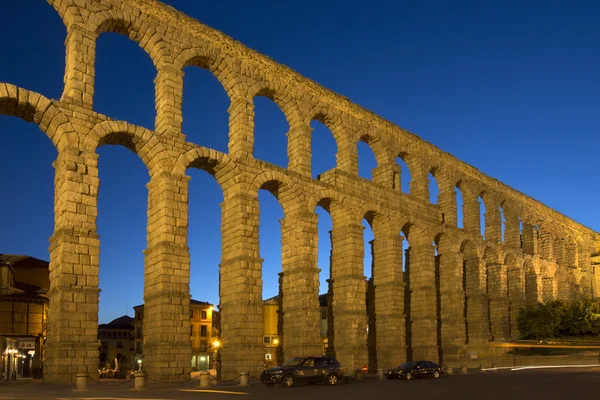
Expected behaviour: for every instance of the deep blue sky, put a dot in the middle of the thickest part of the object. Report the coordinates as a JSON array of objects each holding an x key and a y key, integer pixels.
[{"x": 510, "y": 87}]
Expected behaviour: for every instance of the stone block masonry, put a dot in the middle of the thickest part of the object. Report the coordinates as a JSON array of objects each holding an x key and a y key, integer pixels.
[{"x": 453, "y": 292}]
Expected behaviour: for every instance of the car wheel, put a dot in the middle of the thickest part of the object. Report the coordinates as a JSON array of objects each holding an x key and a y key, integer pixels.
[
  {"x": 436, "y": 375},
  {"x": 332, "y": 379},
  {"x": 408, "y": 376},
  {"x": 288, "y": 380}
]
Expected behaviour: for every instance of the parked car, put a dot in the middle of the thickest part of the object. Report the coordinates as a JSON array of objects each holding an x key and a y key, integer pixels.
[
  {"x": 415, "y": 369},
  {"x": 304, "y": 370}
]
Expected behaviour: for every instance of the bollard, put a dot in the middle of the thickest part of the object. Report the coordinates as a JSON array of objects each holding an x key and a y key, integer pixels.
[
  {"x": 380, "y": 374},
  {"x": 244, "y": 376},
  {"x": 138, "y": 380},
  {"x": 204, "y": 379},
  {"x": 464, "y": 370},
  {"x": 81, "y": 382},
  {"x": 449, "y": 370},
  {"x": 357, "y": 375}
]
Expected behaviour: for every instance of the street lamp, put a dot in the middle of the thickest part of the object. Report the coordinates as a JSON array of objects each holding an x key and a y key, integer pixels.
[{"x": 139, "y": 362}]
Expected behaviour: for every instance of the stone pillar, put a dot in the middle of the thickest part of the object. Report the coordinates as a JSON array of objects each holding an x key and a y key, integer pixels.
[
  {"x": 493, "y": 220},
  {"x": 419, "y": 183},
  {"x": 516, "y": 295},
  {"x": 512, "y": 230},
  {"x": 72, "y": 332},
  {"x": 471, "y": 210},
  {"x": 564, "y": 282},
  {"x": 389, "y": 297},
  {"x": 477, "y": 299},
  {"x": 300, "y": 286},
  {"x": 533, "y": 288},
  {"x": 79, "y": 76},
  {"x": 559, "y": 248},
  {"x": 546, "y": 244},
  {"x": 548, "y": 289},
  {"x": 452, "y": 299},
  {"x": 498, "y": 296},
  {"x": 530, "y": 239},
  {"x": 572, "y": 253},
  {"x": 167, "y": 350},
  {"x": 586, "y": 268},
  {"x": 300, "y": 149},
  {"x": 240, "y": 287},
  {"x": 385, "y": 175},
  {"x": 349, "y": 293},
  {"x": 241, "y": 127},
  {"x": 423, "y": 305},
  {"x": 168, "y": 86},
  {"x": 447, "y": 201},
  {"x": 347, "y": 154}
]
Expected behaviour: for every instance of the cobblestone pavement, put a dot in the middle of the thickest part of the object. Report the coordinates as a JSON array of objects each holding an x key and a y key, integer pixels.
[{"x": 538, "y": 384}]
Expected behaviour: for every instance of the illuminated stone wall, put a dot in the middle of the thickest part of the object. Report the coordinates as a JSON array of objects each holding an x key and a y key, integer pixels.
[{"x": 485, "y": 278}]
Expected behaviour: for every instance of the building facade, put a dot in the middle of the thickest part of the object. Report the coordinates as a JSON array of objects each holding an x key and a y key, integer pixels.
[
  {"x": 203, "y": 337},
  {"x": 117, "y": 351},
  {"x": 24, "y": 283}
]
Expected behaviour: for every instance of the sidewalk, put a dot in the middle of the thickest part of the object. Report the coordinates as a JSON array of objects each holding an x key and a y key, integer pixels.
[{"x": 115, "y": 388}]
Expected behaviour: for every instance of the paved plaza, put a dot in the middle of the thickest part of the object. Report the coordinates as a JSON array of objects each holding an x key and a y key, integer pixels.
[{"x": 534, "y": 384}]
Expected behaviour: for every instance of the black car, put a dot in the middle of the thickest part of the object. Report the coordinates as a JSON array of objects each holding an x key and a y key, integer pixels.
[
  {"x": 304, "y": 370},
  {"x": 415, "y": 369}
]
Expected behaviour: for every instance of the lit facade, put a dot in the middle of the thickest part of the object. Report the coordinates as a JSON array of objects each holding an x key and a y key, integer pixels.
[
  {"x": 24, "y": 283},
  {"x": 202, "y": 332},
  {"x": 117, "y": 345}
]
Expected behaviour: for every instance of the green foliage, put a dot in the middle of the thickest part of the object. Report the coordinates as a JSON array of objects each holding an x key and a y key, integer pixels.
[{"x": 560, "y": 319}]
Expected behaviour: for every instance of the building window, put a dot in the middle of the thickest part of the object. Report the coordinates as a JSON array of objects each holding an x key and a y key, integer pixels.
[
  {"x": 324, "y": 314},
  {"x": 192, "y": 314},
  {"x": 268, "y": 357},
  {"x": 203, "y": 345},
  {"x": 139, "y": 348},
  {"x": 139, "y": 333},
  {"x": 204, "y": 315},
  {"x": 119, "y": 345},
  {"x": 203, "y": 330},
  {"x": 267, "y": 339}
]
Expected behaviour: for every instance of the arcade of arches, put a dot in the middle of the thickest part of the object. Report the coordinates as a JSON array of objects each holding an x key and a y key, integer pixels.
[{"x": 457, "y": 291}]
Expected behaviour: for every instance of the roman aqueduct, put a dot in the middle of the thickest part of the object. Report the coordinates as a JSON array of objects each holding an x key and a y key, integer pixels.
[{"x": 447, "y": 305}]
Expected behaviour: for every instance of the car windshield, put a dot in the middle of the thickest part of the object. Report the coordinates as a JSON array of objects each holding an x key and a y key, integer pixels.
[
  {"x": 407, "y": 365},
  {"x": 294, "y": 361}
]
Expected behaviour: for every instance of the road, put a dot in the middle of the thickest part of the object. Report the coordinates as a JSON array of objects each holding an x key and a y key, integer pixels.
[{"x": 538, "y": 384}]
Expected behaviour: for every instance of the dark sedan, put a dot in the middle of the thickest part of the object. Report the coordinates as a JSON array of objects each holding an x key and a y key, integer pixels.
[
  {"x": 415, "y": 369},
  {"x": 304, "y": 370}
]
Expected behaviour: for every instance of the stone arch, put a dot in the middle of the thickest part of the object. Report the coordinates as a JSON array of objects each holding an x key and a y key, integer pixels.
[
  {"x": 151, "y": 40},
  {"x": 217, "y": 164},
  {"x": 141, "y": 141},
  {"x": 346, "y": 157},
  {"x": 34, "y": 107},
  {"x": 325, "y": 197},
  {"x": 279, "y": 185},
  {"x": 210, "y": 59},
  {"x": 377, "y": 145},
  {"x": 447, "y": 241},
  {"x": 69, "y": 12},
  {"x": 369, "y": 212},
  {"x": 281, "y": 96}
]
